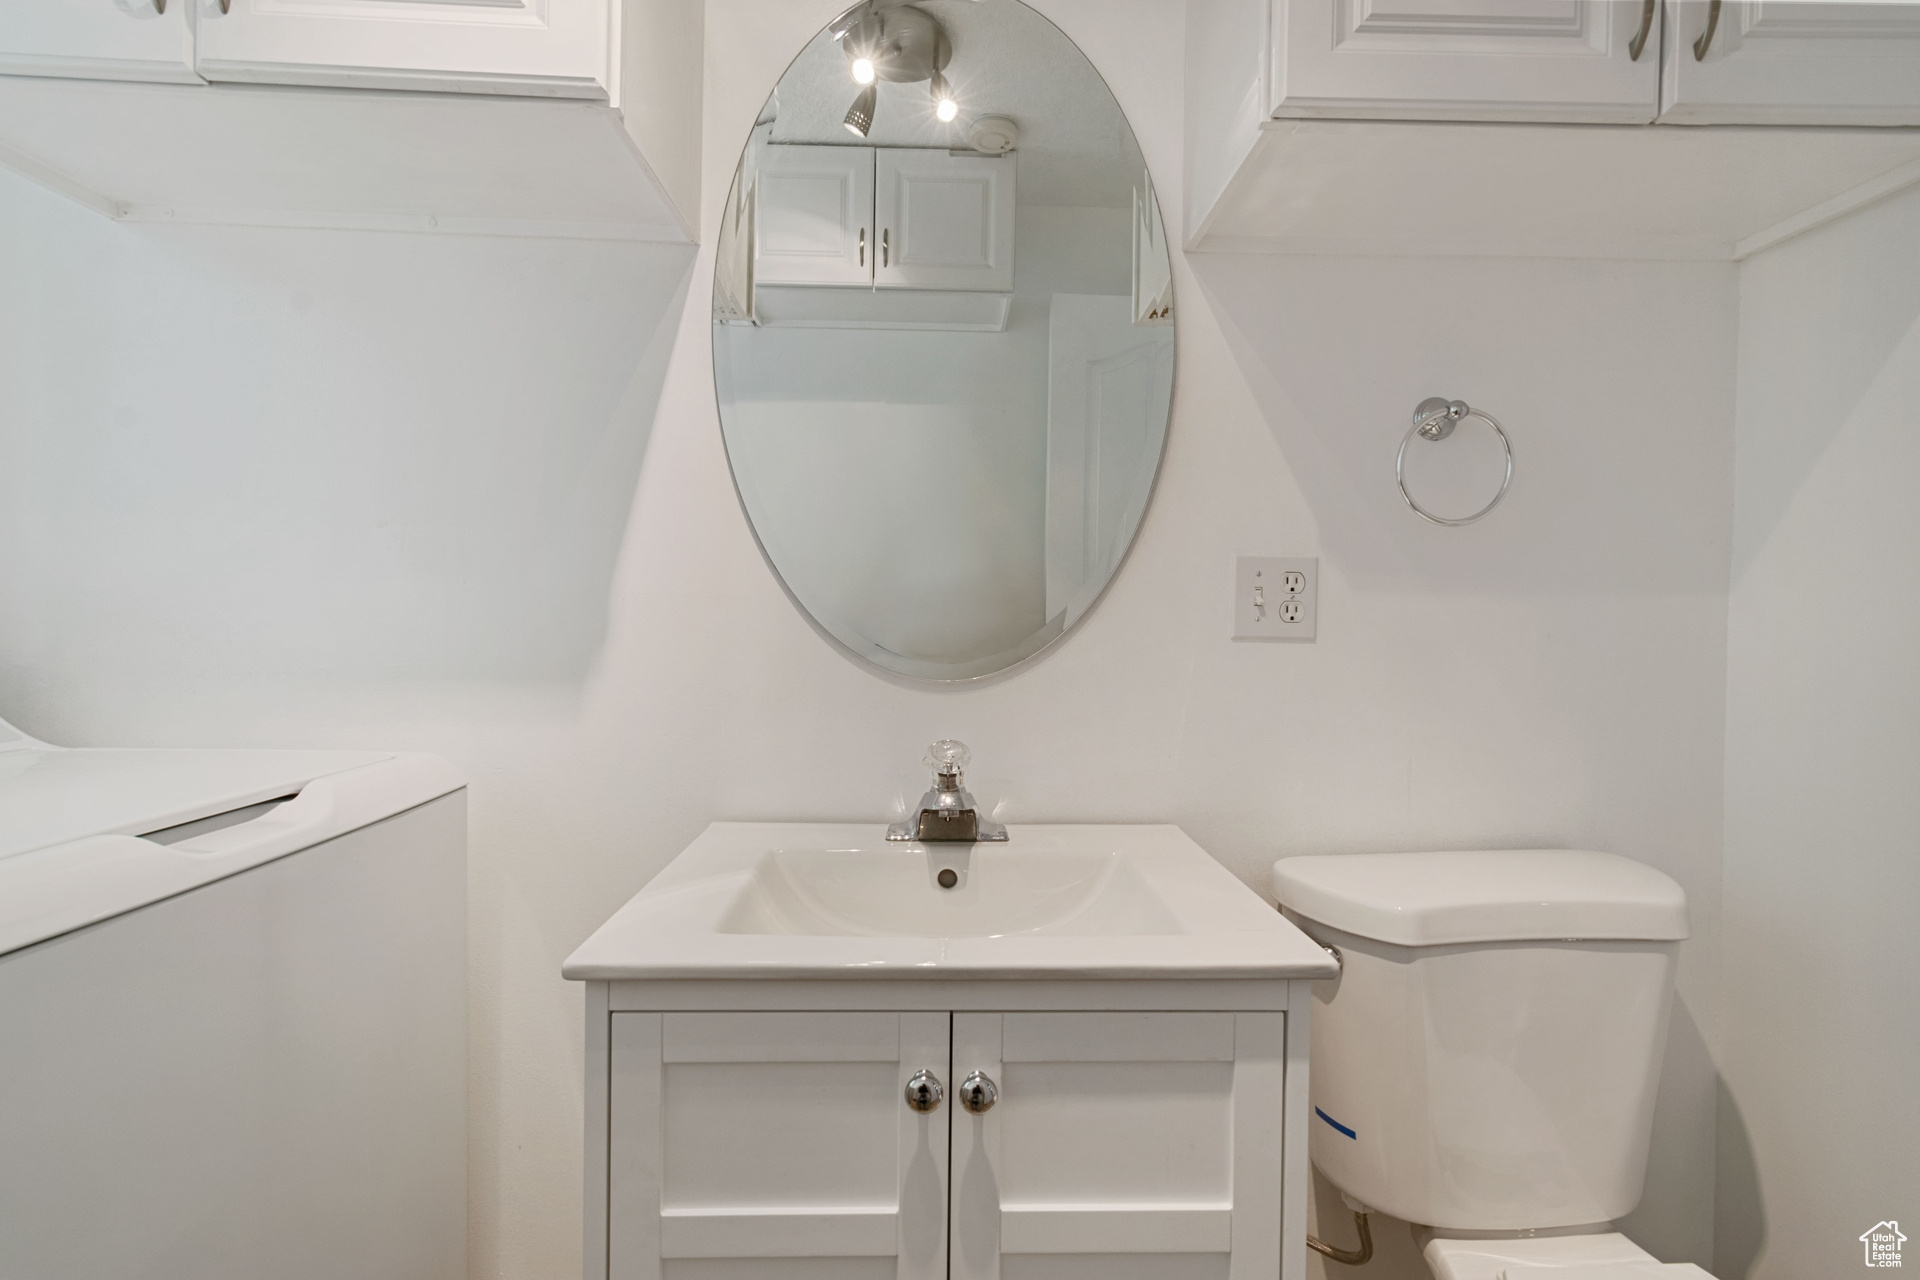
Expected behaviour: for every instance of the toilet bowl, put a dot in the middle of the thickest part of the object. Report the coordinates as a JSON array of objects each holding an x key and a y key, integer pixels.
[{"x": 1486, "y": 1063}]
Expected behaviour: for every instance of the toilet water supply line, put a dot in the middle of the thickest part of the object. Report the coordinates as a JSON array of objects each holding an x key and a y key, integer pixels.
[
  {"x": 1360, "y": 1255},
  {"x": 1352, "y": 1257}
]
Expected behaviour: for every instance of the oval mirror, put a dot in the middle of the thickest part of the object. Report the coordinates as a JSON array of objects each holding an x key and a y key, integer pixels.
[{"x": 943, "y": 341}]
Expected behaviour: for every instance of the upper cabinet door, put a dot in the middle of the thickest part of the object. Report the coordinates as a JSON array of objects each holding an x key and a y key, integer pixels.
[
  {"x": 544, "y": 48},
  {"x": 1551, "y": 60},
  {"x": 945, "y": 221},
  {"x": 776, "y": 1144},
  {"x": 813, "y": 216},
  {"x": 98, "y": 39},
  {"x": 1115, "y": 1141},
  {"x": 1788, "y": 63}
]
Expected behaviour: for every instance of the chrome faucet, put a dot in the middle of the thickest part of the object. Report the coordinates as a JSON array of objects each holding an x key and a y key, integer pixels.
[{"x": 948, "y": 812}]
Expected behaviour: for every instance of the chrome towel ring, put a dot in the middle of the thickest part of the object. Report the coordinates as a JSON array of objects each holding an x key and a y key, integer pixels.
[{"x": 1435, "y": 420}]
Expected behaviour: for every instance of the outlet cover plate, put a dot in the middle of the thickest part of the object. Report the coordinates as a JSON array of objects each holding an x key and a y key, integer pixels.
[{"x": 1288, "y": 604}]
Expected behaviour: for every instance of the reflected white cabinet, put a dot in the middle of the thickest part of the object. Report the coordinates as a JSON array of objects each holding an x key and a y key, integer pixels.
[
  {"x": 945, "y": 221},
  {"x": 813, "y": 216},
  {"x": 548, "y": 48},
  {"x": 100, "y": 40},
  {"x": 1791, "y": 63},
  {"x": 1123, "y": 1143},
  {"x": 1562, "y": 60},
  {"x": 883, "y": 218}
]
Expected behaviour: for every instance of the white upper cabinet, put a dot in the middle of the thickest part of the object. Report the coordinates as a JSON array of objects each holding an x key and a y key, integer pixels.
[
  {"x": 1430, "y": 126},
  {"x": 813, "y": 216},
  {"x": 1580, "y": 61},
  {"x": 1814, "y": 62},
  {"x": 945, "y": 221},
  {"x": 1791, "y": 63},
  {"x": 565, "y": 118},
  {"x": 97, "y": 39},
  {"x": 547, "y": 48}
]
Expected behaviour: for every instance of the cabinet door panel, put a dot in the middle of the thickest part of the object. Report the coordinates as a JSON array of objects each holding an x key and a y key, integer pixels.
[
  {"x": 775, "y": 1146},
  {"x": 813, "y": 216},
  {"x": 1122, "y": 1145},
  {"x": 781, "y": 1269},
  {"x": 97, "y": 40},
  {"x": 1568, "y": 60},
  {"x": 543, "y": 48},
  {"x": 1793, "y": 63},
  {"x": 946, "y": 221}
]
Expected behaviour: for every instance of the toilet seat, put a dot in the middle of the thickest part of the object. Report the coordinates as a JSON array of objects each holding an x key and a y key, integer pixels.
[{"x": 1604, "y": 1255}]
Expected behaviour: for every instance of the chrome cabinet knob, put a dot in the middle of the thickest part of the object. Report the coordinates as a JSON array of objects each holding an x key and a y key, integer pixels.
[
  {"x": 924, "y": 1092},
  {"x": 978, "y": 1093}
]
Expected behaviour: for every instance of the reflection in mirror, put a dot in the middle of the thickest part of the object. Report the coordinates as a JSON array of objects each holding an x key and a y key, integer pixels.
[{"x": 943, "y": 340}]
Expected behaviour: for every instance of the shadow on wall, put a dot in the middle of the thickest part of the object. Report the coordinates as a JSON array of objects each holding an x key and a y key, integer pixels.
[
  {"x": 300, "y": 452},
  {"x": 1846, "y": 313},
  {"x": 1739, "y": 1214},
  {"x": 1622, "y": 445},
  {"x": 1669, "y": 1223}
]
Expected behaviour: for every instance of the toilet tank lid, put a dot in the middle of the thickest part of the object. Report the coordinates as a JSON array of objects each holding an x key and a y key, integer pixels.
[{"x": 1496, "y": 895}]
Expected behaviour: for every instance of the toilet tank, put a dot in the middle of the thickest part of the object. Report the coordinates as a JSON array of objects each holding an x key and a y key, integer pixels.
[{"x": 1488, "y": 1058}]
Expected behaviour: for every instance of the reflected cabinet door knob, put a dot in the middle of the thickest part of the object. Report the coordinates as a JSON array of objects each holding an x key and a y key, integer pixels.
[
  {"x": 924, "y": 1092},
  {"x": 978, "y": 1093}
]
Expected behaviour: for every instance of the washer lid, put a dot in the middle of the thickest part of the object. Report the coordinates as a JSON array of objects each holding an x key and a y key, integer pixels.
[
  {"x": 1500, "y": 895},
  {"x": 52, "y": 795}
]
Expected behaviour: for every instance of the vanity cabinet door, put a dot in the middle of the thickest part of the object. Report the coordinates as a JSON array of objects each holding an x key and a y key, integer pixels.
[
  {"x": 946, "y": 221},
  {"x": 1551, "y": 60},
  {"x": 1129, "y": 1146},
  {"x": 1793, "y": 63},
  {"x": 813, "y": 216},
  {"x": 97, "y": 39},
  {"x": 776, "y": 1146},
  {"x": 542, "y": 48}
]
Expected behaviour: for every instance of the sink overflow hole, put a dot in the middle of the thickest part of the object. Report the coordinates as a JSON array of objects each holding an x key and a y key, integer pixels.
[{"x": 947, "y": 878}]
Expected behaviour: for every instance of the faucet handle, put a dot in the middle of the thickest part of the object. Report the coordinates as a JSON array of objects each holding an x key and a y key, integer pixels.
[{"x": 949, "y": 756}]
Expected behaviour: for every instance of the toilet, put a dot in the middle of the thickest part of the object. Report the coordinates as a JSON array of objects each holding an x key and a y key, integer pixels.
[{"x": 1486, "y": 1063}]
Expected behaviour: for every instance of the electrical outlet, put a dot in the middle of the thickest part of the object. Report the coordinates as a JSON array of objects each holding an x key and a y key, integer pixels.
[{"x": 1275, "y": 597}]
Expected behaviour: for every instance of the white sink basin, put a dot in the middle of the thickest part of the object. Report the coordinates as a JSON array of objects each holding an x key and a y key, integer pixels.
[
  {"x": 804, "y": 900},
  {"x": 996, "y": 891}
]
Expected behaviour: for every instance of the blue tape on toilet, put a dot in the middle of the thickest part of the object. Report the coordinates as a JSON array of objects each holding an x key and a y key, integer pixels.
[{"x": 1335, "y": 1123}]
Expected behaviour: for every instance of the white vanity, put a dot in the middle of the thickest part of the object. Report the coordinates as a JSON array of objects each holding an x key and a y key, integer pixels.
[{"x": 812, "y": 1052}]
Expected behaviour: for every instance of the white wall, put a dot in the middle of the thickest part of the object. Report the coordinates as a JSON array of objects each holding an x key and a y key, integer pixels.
[
  {"x": 1553, "y": 676},
  {"x": 1820, "y": 1039}
]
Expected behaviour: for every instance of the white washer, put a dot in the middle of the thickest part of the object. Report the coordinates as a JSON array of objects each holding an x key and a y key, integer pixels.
[{"x": 232, "y": 1014}]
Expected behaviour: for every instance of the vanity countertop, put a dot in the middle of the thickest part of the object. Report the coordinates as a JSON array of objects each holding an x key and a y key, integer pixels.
[{"x": 839, "y": 901}]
